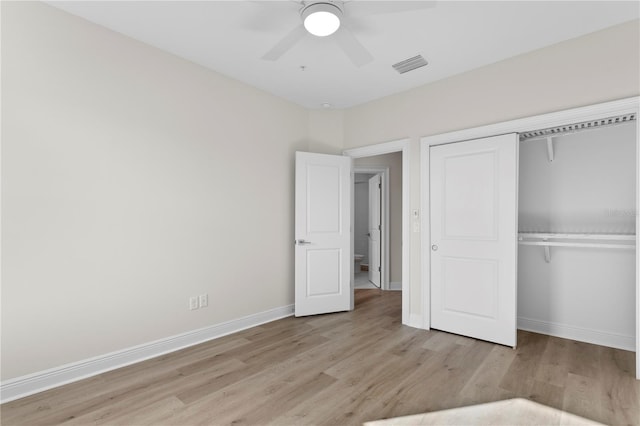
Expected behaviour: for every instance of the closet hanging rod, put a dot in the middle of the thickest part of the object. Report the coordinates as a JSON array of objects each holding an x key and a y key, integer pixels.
[
  {"x": 576, "y": 127},
  {"x": 583, "y": 236}
]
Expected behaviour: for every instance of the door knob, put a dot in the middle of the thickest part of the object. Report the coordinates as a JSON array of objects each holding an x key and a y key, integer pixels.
[
  {"x": 434, "y": 247},
  {"x": 302, "y": 242}
]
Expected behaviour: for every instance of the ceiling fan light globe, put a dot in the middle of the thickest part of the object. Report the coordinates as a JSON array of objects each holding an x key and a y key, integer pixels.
[
  {"x": 322, "y": 24},
  {"x": 321, "y": 19}
]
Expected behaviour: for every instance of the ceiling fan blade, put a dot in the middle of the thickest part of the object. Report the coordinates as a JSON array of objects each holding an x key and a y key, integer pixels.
[
  {"x": 365, "y": 8},
  {"x": 287, "y": 42},
  {"x": 269, "y": 16},
  {"x": 354, "y": 50}
]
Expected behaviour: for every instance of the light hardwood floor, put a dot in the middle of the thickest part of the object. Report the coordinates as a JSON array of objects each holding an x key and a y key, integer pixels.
[{"x": 342, "y": 369}]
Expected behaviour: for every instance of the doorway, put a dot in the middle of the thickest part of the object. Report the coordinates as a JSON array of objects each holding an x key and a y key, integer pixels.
[
  {"x": 395, "y": 257},
  {"x": 371, "y": 227}
]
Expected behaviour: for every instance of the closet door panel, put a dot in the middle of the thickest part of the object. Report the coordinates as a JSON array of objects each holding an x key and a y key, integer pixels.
[
  {"x": 474, "y": 238},
  {"x": 469, "y": 183}
]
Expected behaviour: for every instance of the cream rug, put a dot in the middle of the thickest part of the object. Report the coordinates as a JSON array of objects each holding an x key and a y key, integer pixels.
[{"x": 512, "y": 412}]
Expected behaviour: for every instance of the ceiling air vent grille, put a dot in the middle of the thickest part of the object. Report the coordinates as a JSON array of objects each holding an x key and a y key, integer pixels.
[
  {"x": 577, "y": 127},
  {"x": 410, "y": 64}
]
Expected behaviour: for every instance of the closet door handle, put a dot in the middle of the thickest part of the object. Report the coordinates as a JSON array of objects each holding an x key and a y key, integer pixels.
[{"x": 434, "y": 247}]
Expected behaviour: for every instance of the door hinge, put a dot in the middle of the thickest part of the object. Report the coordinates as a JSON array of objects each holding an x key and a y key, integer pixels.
[
  {"x": 379, "y": 268},
  {"x": 380, "y": 185},
  {"x": 379, "y": 227}
]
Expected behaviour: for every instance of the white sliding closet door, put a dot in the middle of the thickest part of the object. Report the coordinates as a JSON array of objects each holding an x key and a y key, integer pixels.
[{"x": 474, "y": 209}]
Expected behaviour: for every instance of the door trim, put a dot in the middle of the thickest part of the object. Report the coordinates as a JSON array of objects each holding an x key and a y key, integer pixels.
[
  {"x": 384, "y": 245},
  {"x": 404, "y": 146},
  {"x": 592, "y": 112}
]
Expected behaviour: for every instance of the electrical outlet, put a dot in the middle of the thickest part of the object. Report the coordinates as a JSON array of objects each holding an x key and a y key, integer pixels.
[
  {"x": 193, "y": 303},
  {"x": 204, "y": 300}
]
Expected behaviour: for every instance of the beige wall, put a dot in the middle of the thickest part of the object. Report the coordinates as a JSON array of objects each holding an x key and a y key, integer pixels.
[
  {"x": 598, "y": 67},
  {"x": 128, "y": 186},
  {"x": 326, "y": 131},
  {"x": 394, "y": 163}
]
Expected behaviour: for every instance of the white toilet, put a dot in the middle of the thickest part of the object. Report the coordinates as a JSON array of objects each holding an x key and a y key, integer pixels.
[{"x": 357, "y": 259}]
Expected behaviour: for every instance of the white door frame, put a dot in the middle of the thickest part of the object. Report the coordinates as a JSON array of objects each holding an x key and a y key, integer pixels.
[
  {"x": 569, "y": 116},
  {"x": 404, "y": 146},
  {"x": 384, "y": 244}
]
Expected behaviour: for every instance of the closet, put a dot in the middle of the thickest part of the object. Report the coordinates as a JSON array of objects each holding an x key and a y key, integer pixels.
[
  {"x": 576, "y": 232},
  {"x": 531, "y": 225}
]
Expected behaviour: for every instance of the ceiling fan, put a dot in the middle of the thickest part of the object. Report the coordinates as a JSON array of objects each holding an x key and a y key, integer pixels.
[{"x": 328, "y": 18}]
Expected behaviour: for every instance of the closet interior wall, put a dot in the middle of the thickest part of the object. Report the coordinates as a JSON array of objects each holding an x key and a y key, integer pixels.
[{"x": 581, "y": 293}]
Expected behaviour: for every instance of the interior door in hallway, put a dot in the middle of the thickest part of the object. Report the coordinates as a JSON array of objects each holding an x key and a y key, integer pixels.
[
  {"x": 323, "y": 258},
  {"x": 375, "y": 230},
  {"x": 474, "y": 238}
]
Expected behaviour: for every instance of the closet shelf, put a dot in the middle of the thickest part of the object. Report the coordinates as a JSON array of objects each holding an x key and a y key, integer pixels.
[
  {"x": 571, "y": 236},
  {"x": 547, "y": 240}
]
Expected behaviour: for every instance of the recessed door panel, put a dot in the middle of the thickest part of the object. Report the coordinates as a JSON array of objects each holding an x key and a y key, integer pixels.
[
  {"x": 470, "y": 286},
  {"x": 470, "y": 184},
  {"x": 324, "y": 201},
  {"x": 323, "y": 272}
]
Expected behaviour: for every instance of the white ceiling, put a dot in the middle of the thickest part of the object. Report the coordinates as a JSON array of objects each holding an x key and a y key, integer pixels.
[{"x": 454, "y": 36}]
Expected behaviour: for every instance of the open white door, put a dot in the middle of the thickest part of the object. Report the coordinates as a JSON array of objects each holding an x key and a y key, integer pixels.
[
  {"x": 474, "y": 209},
  {"x": 322, "y": 234},
  {"x": 375, "y": 230}
]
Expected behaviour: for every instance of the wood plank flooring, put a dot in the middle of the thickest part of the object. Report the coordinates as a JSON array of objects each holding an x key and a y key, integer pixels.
[{"x": 342, "y": 369}]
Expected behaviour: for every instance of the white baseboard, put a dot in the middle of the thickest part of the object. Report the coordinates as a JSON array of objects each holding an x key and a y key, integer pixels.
[
  {"x": 37, "y": 382},
  {"x": 395, "y": 286},
  {"x": 580, "y": 334}
]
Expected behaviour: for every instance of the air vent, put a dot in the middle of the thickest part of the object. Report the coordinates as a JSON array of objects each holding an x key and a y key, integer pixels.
[
  {"x": 410, "y": 64},
  {"x": 577, "y": 127}
]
